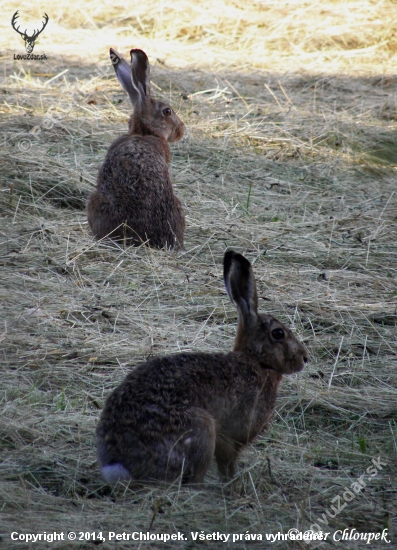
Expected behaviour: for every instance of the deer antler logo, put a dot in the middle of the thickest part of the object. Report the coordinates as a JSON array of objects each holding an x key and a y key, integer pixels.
[{"x": 29, "y": 40}]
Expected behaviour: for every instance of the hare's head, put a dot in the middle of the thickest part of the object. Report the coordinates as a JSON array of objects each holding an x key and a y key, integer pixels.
[
  {"x": 150, "y": 117},
  {"x": 262, "y": 337}
]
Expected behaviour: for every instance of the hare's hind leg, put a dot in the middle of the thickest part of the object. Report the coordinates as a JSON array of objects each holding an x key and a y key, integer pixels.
[
  {"x": 102, "y": 218},
  {"x": 195, "y": 449},
  {"x": 185, "y": 454}
]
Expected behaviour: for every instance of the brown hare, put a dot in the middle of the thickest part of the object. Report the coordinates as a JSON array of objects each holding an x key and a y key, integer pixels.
[
  {"x": 172, "y": 415},
  {"x": 134, "y": 200}
]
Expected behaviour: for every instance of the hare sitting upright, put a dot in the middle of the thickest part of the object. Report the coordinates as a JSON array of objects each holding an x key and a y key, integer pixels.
[
  {"x": 134, "y": 200},
  {"x": 172, "y": 415}
]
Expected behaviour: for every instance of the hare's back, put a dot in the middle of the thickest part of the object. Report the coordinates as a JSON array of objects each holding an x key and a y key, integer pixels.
[
  {"x": 165, "y": 397},
  {"x": 134, "y": 163},
  {"x": 176, "y": 379},
  {"x": 168, "y": 385}
]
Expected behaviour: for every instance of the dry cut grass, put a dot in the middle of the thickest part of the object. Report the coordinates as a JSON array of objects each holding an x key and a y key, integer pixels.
[
  {"x": 290, "y": 158},
  {"x": 351, "y": 37}
]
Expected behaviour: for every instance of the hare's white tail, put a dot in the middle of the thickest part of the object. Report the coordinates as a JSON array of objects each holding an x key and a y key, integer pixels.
[{"x": 115, "y": 472}]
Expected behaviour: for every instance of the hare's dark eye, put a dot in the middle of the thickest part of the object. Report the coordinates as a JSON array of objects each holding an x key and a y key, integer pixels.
[
  {"x": 278, "y": 334},
  {"x": 167, "y": 111}
]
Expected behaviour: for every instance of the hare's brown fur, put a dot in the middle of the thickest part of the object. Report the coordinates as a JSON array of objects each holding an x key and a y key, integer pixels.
[
  {"x": 172, "y": 415},
  {"x": 187, "y": 406},
  {"x": 134, "y": 200}
]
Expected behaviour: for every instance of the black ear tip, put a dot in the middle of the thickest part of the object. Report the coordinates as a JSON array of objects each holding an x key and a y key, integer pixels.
[
  {"x": 228, "y": 255},
  {"x": 231, "y": 255},
  {"x": 140, "y": 54},
  {"x": 227, "y": 261},
  {"x": 232, "y": 258},
  {"x": 114, "y": 56}
]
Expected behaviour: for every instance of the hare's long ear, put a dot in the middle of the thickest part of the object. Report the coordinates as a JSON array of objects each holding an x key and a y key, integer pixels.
[
  {"x": 140, "y": 71},
  {"x": 123, "y": 72},
  {"x": 240, "y": 285}
]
